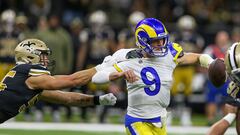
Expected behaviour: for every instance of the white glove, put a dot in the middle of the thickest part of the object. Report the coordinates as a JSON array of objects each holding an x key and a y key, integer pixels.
[
  {"x": 107, "y": 99},
  {"x": 107, "y": 62},
  {"x": 233, "y": 90}
]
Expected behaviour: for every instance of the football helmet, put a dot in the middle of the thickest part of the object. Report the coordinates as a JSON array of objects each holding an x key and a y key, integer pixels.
[
  {"x": 148, "y": 30},
  {"x": 8, "y": 16},
  {"x": 232, "y": 62},
  {"x": 186, "y": 22},
  {"x": 135, "y": 17},
  {"x": 98, "y": 17},
  {"x": 31, "y": 51}
]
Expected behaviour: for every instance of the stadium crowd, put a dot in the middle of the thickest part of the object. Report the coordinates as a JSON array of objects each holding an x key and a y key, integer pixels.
[{"x": 82, "y": 33}]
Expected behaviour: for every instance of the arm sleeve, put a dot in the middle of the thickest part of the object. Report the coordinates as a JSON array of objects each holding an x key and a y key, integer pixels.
[{"x": 103, "y": 75}]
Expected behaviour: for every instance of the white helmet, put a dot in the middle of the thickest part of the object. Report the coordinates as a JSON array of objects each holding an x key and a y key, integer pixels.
[
  {"x": 186, "y": 22},
  {"x": 29, "y": 51},
  {"x": 135, "y": 17},
  {"x": 8, "y": 16},
  {"x": 98, "y": 17}
]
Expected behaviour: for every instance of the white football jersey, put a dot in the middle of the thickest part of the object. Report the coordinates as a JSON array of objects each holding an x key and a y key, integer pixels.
[{"x": 150, "y": 95}]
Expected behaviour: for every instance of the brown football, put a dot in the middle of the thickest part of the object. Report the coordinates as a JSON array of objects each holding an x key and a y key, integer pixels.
[{"x": 216, "y": 72}]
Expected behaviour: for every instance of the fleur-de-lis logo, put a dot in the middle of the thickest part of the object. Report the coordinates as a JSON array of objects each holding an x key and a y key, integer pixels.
[{"x": 28, "y": 45}]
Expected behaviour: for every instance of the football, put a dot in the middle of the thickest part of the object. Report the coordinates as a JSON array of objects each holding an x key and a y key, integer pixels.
[{"x": 216, "y": 72}]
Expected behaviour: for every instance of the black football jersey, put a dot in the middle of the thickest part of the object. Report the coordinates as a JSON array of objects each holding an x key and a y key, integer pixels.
[{"x": 15, "y": 96}]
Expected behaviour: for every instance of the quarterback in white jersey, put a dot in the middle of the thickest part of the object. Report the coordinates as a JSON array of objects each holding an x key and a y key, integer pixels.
[{"x": 153, "y": 64}]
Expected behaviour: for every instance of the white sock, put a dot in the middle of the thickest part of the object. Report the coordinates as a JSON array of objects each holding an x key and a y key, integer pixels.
[{"x": 230, "y": 117}]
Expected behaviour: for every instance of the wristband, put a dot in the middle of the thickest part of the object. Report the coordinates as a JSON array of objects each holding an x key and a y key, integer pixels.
[
  {"x": 230, "y": 117},
  {"x": 96, "y": 100}
]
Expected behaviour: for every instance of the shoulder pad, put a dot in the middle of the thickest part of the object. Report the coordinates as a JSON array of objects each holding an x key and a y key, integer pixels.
[
  {"x": 134, "y": 54},
  {"x": 38, "y": 70},
  {"x": 176, "y": 50},
  {"x": 120, "y": 55},
  {"x": 22, "y": 68}
]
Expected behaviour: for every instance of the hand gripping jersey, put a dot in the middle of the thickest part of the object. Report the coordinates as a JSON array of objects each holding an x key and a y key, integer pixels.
[
  {"x": 150, "y": 95},
  {"x": 15, "y": 96}
]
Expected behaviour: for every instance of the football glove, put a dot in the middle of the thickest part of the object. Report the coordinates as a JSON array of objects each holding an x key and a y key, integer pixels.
[{"x": 107, "y": 99}]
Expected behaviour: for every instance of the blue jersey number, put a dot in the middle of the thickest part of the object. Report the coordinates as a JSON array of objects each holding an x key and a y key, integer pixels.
[{"x": 155, "y": 81}]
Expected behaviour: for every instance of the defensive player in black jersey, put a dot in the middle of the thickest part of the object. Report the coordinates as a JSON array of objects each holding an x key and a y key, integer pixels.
[{"x": 30, "y": 80}]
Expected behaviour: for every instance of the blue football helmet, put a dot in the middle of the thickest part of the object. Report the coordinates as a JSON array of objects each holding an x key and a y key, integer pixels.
[{"x": 150, "y": 29}]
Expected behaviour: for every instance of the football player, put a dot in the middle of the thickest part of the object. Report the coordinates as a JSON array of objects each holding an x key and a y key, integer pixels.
[
  {"x": 30, "y": 80},
  {"x": 232, "y": 62},
  {"x": 153, "y": 63}
]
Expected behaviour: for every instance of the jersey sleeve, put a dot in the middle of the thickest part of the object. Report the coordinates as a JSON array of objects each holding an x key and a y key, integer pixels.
[
  {"x": 122, "y": 66},
  {"x": 36, "y": 70},
  {"x": 176, "y": 51}
]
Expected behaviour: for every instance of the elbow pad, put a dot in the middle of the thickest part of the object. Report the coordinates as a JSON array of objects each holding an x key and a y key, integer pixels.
[{"x": 205, "y": 60}]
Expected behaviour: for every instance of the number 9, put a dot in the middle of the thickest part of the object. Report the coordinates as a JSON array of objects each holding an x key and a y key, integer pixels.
[{"x": 156, "y": 81}]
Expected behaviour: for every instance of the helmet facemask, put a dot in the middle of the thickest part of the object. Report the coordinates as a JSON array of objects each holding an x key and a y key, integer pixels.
[
  {"x": 154, "y": 50},
  {"x": 33, "y": 51}
]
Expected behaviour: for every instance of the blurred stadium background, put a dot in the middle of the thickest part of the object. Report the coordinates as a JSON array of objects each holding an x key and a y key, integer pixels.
[{"x": 82, "y": 32}]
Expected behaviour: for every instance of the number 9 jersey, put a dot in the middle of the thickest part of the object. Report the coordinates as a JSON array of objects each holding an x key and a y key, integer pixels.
[{"x": 150, "y": 95}]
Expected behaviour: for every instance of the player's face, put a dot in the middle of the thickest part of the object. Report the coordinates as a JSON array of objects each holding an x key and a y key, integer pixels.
[
  {"x": 157, "y": 44},
  {"x": 44, "y": 59}
]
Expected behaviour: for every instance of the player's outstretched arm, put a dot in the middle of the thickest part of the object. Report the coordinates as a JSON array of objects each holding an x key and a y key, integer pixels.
[
  {"x": 57, "y": 82},
  {"x": 238, "y": 122},
  {"x": 188, "y": 58},
  {"x": 220, "y": 127},
  {"x": 84, "y": 76},
  {"x": 77, "y": 99}
]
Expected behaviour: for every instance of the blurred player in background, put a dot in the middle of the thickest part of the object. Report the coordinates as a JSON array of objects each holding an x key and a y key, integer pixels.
[
  {"x": 8, "y": 41},
  {"x": 184, "y": 74},
  {"x": 126, "y": 37},
  {"x": 30, "y": 80},
  {"x": 97, "y": 42},
  {"x": 215, "y": 96},
  {"x": 153, "y": 63}
]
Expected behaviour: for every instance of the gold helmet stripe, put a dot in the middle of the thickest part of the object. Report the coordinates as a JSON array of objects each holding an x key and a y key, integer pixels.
[{"x": 232, "y": 57}]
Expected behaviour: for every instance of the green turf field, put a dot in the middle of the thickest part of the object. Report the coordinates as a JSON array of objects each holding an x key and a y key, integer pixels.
[{"x": 40, "y": 132}]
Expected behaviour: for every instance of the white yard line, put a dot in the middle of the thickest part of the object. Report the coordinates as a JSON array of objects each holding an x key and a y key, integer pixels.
[{"x": 99, "y": 127}]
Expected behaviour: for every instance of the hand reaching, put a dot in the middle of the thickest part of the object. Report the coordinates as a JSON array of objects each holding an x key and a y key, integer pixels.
[{"x": 107, "y": 99}]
